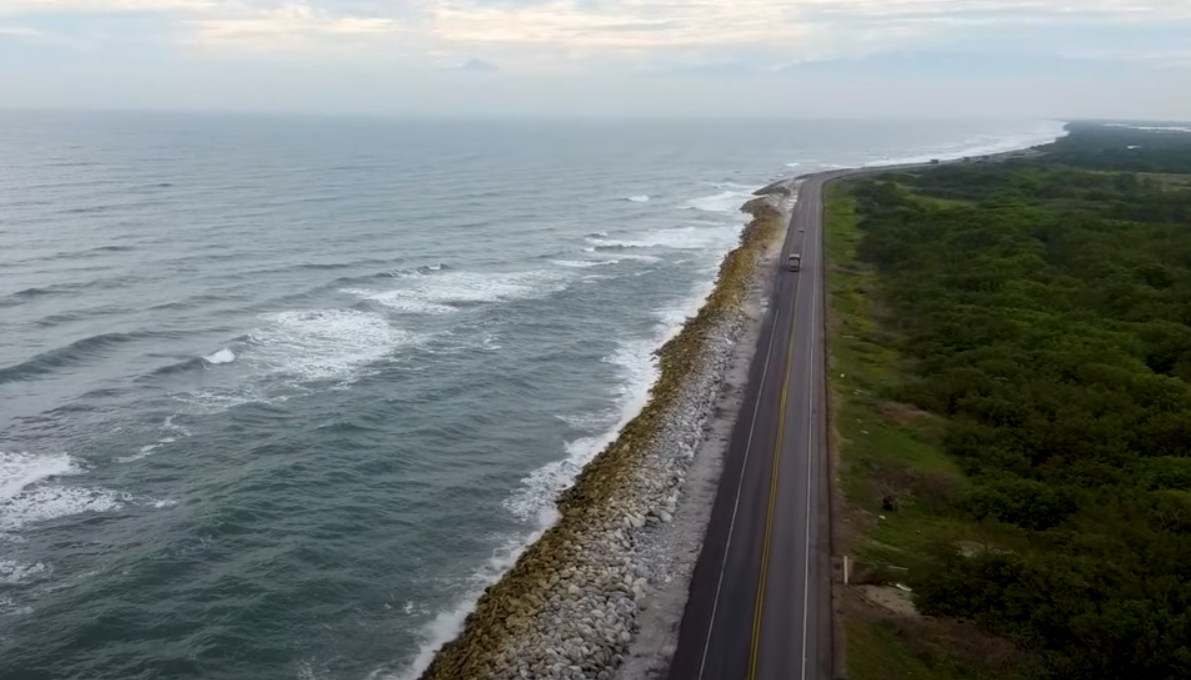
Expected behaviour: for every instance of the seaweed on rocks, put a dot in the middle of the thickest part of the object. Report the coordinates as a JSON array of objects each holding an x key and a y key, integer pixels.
[{"x": 567, "y": 607}]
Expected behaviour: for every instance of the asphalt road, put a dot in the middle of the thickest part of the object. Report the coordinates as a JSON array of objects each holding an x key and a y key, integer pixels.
[{"x": 760, "y": 597}]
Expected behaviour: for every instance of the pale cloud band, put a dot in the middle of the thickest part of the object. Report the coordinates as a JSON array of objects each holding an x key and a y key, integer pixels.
[{"x": 568, "y": 33}]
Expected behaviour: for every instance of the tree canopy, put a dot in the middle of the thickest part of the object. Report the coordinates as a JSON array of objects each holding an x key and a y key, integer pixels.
[{"x": 1044, "y": 307}]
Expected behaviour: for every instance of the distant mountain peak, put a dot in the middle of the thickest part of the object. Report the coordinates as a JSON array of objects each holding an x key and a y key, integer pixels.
[{"x": 479, "y": 66}]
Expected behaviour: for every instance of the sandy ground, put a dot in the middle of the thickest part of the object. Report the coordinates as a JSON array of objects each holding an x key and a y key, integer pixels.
[{"x": 681, "y": 540}]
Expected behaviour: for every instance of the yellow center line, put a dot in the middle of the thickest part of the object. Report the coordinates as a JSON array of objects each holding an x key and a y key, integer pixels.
[{"x": 777, "y": 459}]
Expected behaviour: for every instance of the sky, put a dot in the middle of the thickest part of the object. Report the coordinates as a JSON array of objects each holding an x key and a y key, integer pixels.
[{"x": 1127, "y": 59}]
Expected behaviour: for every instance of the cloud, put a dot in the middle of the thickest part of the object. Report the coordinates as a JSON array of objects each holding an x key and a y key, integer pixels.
[
  {"x": 290, "y": 26},
  {"x": 94, "y": 7},
  {"x": 20, "y": 32},
  {"x": 707, "y": 38},
  {"x": 618, "y": 25},
  {"x": 795, "y": 29}
]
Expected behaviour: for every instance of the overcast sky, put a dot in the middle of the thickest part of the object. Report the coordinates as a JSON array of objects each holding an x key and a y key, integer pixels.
[{"x": 1055, "y": 58}]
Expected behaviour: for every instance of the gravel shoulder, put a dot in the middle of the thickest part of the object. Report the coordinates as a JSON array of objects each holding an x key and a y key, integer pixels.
[{"x": 674, "y": 548}]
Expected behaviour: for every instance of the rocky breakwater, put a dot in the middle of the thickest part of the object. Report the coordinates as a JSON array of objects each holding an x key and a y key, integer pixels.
[{"x": 568, "y": 609}]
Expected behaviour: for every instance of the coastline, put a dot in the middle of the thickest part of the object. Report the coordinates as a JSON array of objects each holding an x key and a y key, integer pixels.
[
  {"x": 572, "y": 603},
  {"x": 601, "y": 592}
]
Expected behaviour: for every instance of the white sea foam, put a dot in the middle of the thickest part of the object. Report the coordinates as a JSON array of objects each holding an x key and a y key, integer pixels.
[
  {"x": 29, "y": 494},
  {"x": 171, "y": 426},
  {"x": 16, "y": 573},
  {"x": 223, "y": 356},
  {"x": 143, "y": 452},
  {"x": 680, "y": 238},
  {"x": 640, "y": 257},
  {"x": 21, "y": 470},
  {"x": 1151, "y": 128},
  {"x": 218, "y": 400},
  {"x": 638, "y": 369},
  {"x": 449, "y": 622},
  {"x": 1043, "y": 133},
  {"x": 445, "y": 292},
  {"x": 294, "y": 347},
  {"x": 639, "y": 199},
  {"x": 589, "y": 421},
  {"x": 148, "y": 449},
  {"x": 321, "y": 344},
  {"x": 400, "y": 300},
  {"x": 724, "y": 202},
  {"x": 793, "y": 165},
  {"x": 583, "y": 264},
  {"x": 534, "y": 502}
]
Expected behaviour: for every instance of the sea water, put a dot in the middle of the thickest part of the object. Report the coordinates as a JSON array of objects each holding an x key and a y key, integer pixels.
[{"x": 280, "y": 396}]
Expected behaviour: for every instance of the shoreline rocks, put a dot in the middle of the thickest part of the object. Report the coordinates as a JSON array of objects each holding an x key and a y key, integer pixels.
[{"x": 569, "y": 608}]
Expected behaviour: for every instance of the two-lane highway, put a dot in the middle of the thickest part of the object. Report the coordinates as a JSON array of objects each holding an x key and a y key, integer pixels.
[{"x": 760, "y": 596}]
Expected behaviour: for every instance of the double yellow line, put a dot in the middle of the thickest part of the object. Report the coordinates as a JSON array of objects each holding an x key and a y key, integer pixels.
[{"x": 777, "y": 461}]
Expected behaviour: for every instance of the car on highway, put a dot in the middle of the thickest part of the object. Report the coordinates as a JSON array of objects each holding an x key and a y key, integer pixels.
[{"x": 794, "y": 262}]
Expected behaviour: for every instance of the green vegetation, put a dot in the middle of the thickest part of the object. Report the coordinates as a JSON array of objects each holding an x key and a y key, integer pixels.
[{"x": 1011, "y": 359}]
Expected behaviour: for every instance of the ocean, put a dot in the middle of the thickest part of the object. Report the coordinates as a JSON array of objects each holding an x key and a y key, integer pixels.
[{"x": 280, "y": 396}]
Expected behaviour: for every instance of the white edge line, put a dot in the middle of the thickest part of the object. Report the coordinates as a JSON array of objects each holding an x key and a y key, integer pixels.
[{"x": 810, "y": 431}]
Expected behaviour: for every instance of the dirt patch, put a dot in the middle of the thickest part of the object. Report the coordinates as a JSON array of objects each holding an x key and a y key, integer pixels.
[
  {"x": 936, "y": 641},
  {"x": 892, "y": 598},
  {"x": 899, "y": 413}
]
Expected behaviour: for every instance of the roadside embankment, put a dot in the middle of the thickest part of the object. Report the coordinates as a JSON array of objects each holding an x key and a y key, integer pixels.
[{"x": 619, "y": 558}]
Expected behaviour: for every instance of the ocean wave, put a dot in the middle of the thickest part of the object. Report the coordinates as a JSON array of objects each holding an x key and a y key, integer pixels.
[
  {"x": 535, "y": 501},
  {"x": 638, "y": 199},
  {"x": 21, "y": 470},
  {"x": 400, "y": 300},
  {"x": 637, "y": 365},
  {"x": 445, "y": 291},
  {"x": 636, "y": 360},
  {"x": 146, "y": 451},
  {"x": 680, "y": 238},
  {"x": 34, "y": 292},
  {"x": 221, "y": 399},
  {"x": 583, "y": 264},
  {"x": 728, "y": 202},
  {"x": 320, "y": 344},
  {"x": 170, "y": 426},
  {"x": 76, "y": 353},
  {"x": 123, "y": 279},
  {"x": 297, "y": 347},
  {"x": 447, "y": 624},
  {"x": 184, "y": 366},
  {"x": 28, "y": 494},
  {"x": 639, "y": 257},
  {"x": 21, "y": 573},
  {"x": 222, "y": 356},
  {"x": 1044, "y": 133},
  {"x": 52, "y": 502}
]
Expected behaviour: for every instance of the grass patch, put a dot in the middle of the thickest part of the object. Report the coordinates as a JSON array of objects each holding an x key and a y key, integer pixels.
[
  {"x": 875, "y": 650},
  {"x": 890, "y": 648},
  {"x": 1169, "y": 181},
  {"x": 895, "y": 479}
]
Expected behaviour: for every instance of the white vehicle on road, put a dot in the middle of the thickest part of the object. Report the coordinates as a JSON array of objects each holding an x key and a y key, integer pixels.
[{"x": 794, "y": 262}]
